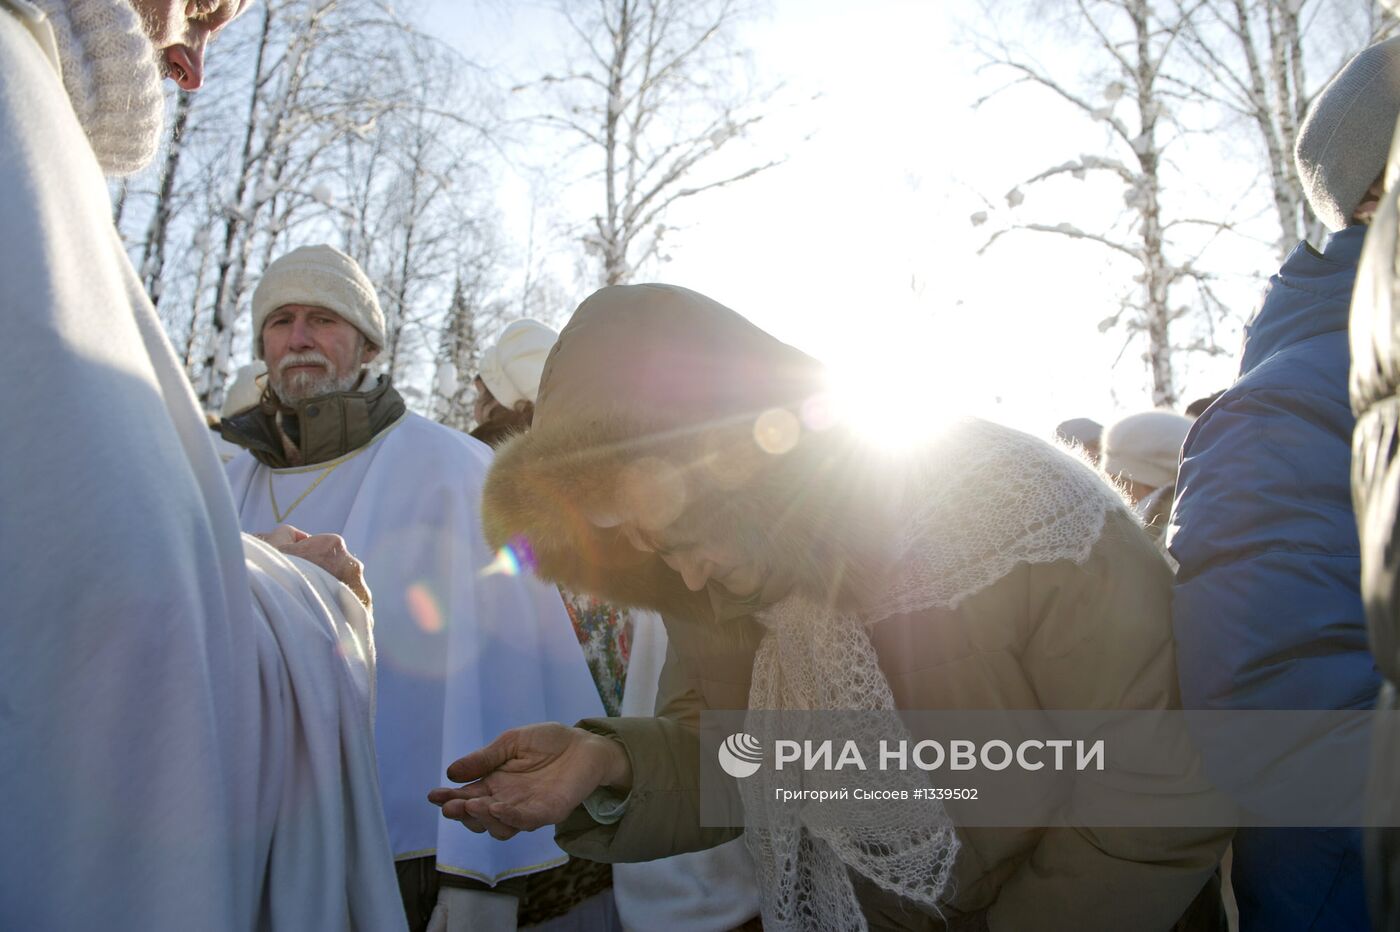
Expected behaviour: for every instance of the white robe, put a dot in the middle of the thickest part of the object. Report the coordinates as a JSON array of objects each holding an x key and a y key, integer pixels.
[
  {"x": 462, "y": 656},
  {"x": 184, "y": 714}
]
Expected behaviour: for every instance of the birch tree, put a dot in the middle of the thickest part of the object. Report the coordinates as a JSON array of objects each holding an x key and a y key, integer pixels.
[
  {"x": 254, "y": 171},
  {"x": 294, "y": 117},
  {"x": 419, "y": 215},
  {"x": 1263, "y": 61},
  {"x": 1171, "y": 307},
  {"x": 324, "y": 130},
  {"x": 654, "y": 95},
  {"x": 153, "y": 248}
]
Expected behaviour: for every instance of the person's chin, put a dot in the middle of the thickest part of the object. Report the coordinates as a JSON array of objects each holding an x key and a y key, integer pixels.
[
  {"x": 746, "y": 588},
  {"x": 299, "y": 390}
]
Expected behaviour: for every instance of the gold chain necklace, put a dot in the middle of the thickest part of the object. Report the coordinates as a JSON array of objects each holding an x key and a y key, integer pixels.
[{"x": 280, "y": 515}]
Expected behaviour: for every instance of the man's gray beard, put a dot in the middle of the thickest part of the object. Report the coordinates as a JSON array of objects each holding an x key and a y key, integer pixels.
[{"x": 298, "y": 387}]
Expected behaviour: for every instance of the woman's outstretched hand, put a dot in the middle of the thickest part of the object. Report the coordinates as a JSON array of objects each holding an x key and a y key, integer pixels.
[{"x": 530, "y": 777}]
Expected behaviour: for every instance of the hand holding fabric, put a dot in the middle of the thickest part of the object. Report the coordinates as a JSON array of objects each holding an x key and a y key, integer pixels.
[
  {"x": 328, "y": 551},
  {"x": 530, "y": 777}
]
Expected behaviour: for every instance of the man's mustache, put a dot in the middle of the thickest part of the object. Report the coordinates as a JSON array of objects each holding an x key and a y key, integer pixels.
[{"x": 302, "y": 359}]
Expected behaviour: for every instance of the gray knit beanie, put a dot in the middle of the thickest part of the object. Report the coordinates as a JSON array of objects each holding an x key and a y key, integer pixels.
[
  {"x": 319, "y": 276},
  {"x": 1345, "y": 138}
]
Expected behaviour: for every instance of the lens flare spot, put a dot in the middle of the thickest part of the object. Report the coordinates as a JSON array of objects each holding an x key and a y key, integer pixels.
[
  {"x": 731, "y": 458},
  {"x": 512, "y": 559},
  {"x": 777, "y": 431},
  {"x": 424, "y": 608},
  {"x": 505, "y": 564}
]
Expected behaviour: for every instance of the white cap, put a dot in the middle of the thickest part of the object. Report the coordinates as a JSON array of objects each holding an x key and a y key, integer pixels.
[
  {"x": 1145, "y": 447},
  {"x": 246, "y": 390},
  {"x": 512, "y": 367}
]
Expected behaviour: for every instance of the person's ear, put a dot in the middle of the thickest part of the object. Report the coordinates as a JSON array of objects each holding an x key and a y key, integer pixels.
[
  {"x": 368, "y": 356},
  {"x": 1370, "y": 203}
]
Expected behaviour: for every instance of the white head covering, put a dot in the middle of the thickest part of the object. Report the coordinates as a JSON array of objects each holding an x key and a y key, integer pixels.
[
  {"x": 1145, "y": 447},
  {"x": 512, "y": 367},
  {"x": 246, "y": 390},
  {"x": 319, "y": 276}
]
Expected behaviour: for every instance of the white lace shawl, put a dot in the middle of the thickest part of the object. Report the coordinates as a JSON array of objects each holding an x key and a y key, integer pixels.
[{"x": 981, "y": 499}]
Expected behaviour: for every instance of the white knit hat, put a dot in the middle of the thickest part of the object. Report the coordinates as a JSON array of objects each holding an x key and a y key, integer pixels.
[
  {"x": 246, "y": 390},
  {"x": 1145, "y": 447},
  {"x": 1345, "y": 138},
  {"x": 112, "y": 76},
  {"x": 512, "y": 367},
  {"x": 319, "y": 276}
]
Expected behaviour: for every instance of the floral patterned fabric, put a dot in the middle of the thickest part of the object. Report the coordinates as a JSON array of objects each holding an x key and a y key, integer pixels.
[{"x": 605, "y": 633}]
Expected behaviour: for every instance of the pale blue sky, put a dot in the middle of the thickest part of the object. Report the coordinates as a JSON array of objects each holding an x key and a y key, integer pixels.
[{"x": 859, "y": 249}]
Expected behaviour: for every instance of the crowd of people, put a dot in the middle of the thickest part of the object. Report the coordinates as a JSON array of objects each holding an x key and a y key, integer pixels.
[{"x": 235, "y": 665}]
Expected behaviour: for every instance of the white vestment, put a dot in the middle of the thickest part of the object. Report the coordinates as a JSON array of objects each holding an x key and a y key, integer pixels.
[
  {"x": 185, "y": 734},
  {"x": 463, "y": 654}
]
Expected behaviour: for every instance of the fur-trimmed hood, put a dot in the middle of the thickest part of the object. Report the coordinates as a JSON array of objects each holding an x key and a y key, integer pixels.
[{"x": 658, "y": 401}]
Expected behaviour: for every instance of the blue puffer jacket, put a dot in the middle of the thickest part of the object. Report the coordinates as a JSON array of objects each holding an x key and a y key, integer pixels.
[{"x": 1267, "y": 605}]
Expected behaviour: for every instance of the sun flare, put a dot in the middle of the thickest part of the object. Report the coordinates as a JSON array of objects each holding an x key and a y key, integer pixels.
[{"x": 899, "y": 395}]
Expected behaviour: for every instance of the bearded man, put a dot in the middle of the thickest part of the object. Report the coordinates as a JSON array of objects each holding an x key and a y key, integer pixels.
[
  {"x": 185, "y": 711},
  {"x": 678, "y": 460},
  {"x": 462, "y": 655}
]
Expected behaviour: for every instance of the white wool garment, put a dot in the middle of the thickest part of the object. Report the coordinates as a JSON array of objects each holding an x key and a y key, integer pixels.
[
  {"x": 512, "y": 367},
  {"x": 1007, "y": 499},
  {"x": 111, "y": 74},
  {"x": 1145, "y": 447},
  {"x": 319, "y": 276}
]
